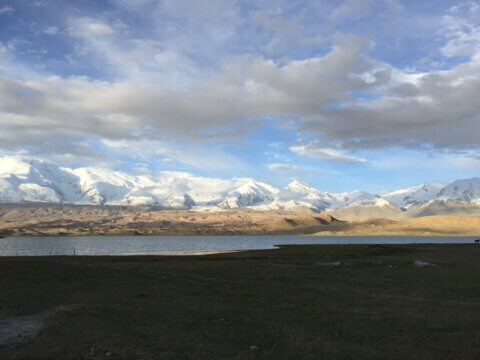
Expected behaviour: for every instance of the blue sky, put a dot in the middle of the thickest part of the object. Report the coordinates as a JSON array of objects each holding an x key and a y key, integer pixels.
[{"x": 352, "y": 94}]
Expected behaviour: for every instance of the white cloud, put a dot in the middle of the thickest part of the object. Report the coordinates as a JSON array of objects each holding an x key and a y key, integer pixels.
[
  {"x": 437, "y": 108},
  {"x": 158, "y": 91},
  {"x": 464, "y": 38},
  {"x": 78, "y": 107},
  {"x": 462, "y": 30},
  {"x": 89, "y": 28},
  {"x": 315, "y": 151},
  {"x": 352, "y": 9},
  {"x": 51, "y": 30},
  {"x": 430, "y": 161},
  {"x": 193, "y": 155},
  {"x": 275, "y": 22},
  {"x": 6, "y": 10},
  {"x": 282, "y": 167},
  {"x": 434, "y": 109},
  {"x": 3, "y": 50},
  {"x": 132, "y": 4},
  {"x": 395, "y": 4},
  {"x": 140, "y": 60}
]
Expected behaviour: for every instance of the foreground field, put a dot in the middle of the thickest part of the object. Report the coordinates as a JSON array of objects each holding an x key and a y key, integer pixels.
[{"x": 298, "y": 302}]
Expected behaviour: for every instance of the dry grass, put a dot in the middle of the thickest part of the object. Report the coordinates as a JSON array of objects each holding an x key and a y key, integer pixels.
[{"x": 298, "y": 302}]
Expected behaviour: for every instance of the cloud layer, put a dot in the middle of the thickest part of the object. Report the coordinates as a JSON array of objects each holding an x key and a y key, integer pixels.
[{"x": 199, "y": 73}]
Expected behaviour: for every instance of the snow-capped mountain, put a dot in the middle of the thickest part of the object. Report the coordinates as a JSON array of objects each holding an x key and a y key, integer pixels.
[
  {"x": 102, "y": 186},
  {"x": 30, "y": 180},
  {"x": 250, "y": 193},
  {"x": 301, "y": 192},
  {"x": 353, "y": 197},
  {"x": 413, "y": 195},
  {"x": 298, "y": 195},
  {"x": 461, "y": 190},
  {"x": 297, "y": 192},
  {"x": 459, "y": 197},
  {"x": 366, "y": 209}
]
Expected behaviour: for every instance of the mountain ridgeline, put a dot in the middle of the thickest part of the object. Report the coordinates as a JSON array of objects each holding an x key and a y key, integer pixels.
[{"x": 35, "y": 181}]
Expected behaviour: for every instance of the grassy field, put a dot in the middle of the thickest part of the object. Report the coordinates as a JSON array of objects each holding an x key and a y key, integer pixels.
[{"x": 299, "y": 302}]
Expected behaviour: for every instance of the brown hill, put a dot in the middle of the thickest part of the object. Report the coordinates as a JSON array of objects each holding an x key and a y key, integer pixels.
[
  {"x": 361, "y": 212},
  {"x": 25, "y": 220},
  {"x": 422, "y": 226},
  {"x": 442, "y": 207},
  {"x": 110, "y": 220}
]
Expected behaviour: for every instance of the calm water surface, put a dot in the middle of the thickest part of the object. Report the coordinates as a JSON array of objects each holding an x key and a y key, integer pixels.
[{"x": 124, "y": 245}]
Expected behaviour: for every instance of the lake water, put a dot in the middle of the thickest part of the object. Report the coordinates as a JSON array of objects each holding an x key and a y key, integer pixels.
[{"x": 130, "y": 245}]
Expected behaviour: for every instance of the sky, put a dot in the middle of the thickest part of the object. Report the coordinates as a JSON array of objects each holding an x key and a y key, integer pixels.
[{"x": 344, "y": 95}]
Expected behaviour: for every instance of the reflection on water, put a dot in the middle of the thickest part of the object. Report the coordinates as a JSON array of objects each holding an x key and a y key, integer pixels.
[{"x": 118, "y": 245}]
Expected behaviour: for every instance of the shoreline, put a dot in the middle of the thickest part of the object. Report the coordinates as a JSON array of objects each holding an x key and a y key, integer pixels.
[
  {"x": 200, "y": 253},
  {"x": 319, "y": 234},
  {"x": 180, "y": 253}
]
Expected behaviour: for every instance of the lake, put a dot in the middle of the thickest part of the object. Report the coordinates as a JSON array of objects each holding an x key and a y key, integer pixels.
[{"x": 135, "y": 245}]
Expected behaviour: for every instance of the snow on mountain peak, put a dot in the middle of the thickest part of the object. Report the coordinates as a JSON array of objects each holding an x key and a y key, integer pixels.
[
  {"x": 409, "y": 196},
  {"x": 31, "y": 180},
  {"x": 377, "y": 202},
  {"x": 354, "y": 197},
  {"x": 249, "y": 193},
  {"x": 300, "y": 187},
  {"x": 37, "y": 180},
  {"x": 461, "y": 190},
  {"x": 14, "y": 166},
  {"x": 298, "y": 192},
  {"x": 253, "y": 186}
]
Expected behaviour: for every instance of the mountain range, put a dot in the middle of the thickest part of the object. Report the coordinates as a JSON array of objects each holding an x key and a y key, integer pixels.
[{"x": 25, "y": 180}]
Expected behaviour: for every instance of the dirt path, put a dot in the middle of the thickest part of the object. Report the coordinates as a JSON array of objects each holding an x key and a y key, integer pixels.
[{"x": 22, "y": 329}]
